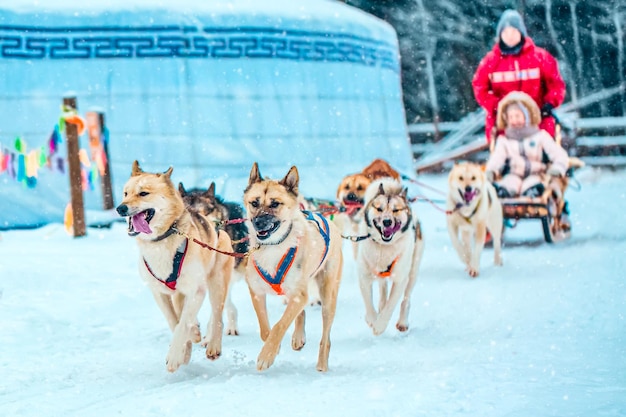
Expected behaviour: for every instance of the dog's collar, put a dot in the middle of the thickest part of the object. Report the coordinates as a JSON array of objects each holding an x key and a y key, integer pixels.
[
  {"x": 281, "y": 240},
  {"x": 468, "y": 219},
  {"x": 169, "y": 232},
  {"x": 177, "y": 265}
]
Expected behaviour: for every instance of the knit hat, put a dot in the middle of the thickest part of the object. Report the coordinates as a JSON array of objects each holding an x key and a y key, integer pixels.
[{"x": 513, "y": 19}]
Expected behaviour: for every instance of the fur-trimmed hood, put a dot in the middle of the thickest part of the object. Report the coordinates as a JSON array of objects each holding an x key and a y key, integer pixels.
[{"x": 523, "y": 99}]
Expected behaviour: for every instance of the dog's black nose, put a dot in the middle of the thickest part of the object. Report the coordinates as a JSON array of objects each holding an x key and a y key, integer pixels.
[
  {"x": 387, "y": 223},
  {"x": 352, "y": 197},
  {"x": 263, "y": 222},
  {"x": 122, "y": 210},
  {"x": 468, "y": 188}
]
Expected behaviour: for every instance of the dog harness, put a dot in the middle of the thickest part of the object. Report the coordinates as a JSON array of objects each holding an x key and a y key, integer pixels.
[
  {"x": 389, "y": 270},
  {"x": 179, "y": 258},
  {"x": 286, "y": 262}
]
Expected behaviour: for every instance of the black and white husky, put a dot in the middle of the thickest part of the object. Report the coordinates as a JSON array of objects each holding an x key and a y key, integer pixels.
[{"x": 391, "y": 253}]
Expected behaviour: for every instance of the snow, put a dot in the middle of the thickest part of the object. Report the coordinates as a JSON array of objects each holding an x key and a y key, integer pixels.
[{"x": 544, "y": 335}]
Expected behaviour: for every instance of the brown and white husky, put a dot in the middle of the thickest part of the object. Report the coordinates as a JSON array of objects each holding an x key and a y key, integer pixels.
[
  {"x": 290, "y": 247},
  {"x": 177, "y": 271}
]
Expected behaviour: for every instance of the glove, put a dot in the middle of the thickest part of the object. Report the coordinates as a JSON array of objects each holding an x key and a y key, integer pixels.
[
  {"x": 490, "y": 175},
  {"x": 546, "y": 110},
  {"x": 554, "y": 172}
]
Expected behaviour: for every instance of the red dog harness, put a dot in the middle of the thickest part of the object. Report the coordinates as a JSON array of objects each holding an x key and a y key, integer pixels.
[{"x": 177, "y": 266}]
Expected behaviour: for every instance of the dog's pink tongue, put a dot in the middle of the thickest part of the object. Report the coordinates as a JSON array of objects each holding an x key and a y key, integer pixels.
[
  {"x": 469, "y": 195},
  {"x": 389, "y": 232},
  {"x": 140, "y": 224}
]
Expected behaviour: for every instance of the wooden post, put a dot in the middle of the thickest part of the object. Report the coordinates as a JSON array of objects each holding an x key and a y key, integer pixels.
[
  {"x": 76, "y": 186},
  {"x": 97, "y": 140}
]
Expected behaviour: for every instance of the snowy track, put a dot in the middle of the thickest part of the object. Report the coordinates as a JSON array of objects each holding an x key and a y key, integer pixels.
[{"x": 545, "y": 335}]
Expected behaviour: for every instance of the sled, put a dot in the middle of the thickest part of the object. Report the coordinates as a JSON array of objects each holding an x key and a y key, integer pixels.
[
  {"x": 543, "y": 208},
  {"x": 548, "y": 208}
]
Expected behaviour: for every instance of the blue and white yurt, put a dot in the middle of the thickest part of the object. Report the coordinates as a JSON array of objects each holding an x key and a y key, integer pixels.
[{"x": 206, "y": 87}]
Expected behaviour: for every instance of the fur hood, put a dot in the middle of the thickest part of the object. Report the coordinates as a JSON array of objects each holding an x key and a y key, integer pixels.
[{"x": 521, "y": 98}]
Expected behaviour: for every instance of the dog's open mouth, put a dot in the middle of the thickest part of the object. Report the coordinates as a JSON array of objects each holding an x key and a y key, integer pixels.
[
  {"x": 139, "y": 223},
  {"x": 468, "y": 195},
  {"x": 352, "y": 206},
  {"x": 387, "y": 232}
]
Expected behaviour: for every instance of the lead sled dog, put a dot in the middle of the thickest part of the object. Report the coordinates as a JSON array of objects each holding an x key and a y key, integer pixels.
[{"x": 177, "y": 271}]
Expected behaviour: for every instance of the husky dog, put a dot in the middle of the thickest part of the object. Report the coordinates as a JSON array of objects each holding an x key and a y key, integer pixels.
[
  {"x": 213, "y": 206},
  {"x": 392, "y": 253},
  {"x": 177, "y": 271},
  {"x": 473, "y": 208},
  {"x": 351, "y": 194},
  {"x": 290, "y": 247}
]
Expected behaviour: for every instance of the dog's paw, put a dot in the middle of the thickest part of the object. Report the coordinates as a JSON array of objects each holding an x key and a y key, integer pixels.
[
  {"x": 498, "y": 261},
  {"x": 266, "y": 358},
  {"x": 379, "y": 327},
  {"x": 213, "y": 349},
  {"x": 232, "y": 331},
  {"x": 402, "y": 327},
  {"x": 315, "y": 303},
  {"x": 298, "y": 341},
  {"x": 370, "y": 319},
  {"x": 176, "y": 357},
  {"x": 473, "y": 272}
]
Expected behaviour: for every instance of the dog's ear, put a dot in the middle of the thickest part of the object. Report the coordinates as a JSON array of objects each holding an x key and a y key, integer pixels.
[
  {"x": 404, "y": 192},
  {"x": 136, "y": 169},
  {"x": 211, "y": 191},
  {"x": 181, "y": 189},
  {"x": 291, "y": 180},
  {"x": 381, "y": 189},
  {"x": 255, "y": 175},
  {"x": 168, "y": 173}
]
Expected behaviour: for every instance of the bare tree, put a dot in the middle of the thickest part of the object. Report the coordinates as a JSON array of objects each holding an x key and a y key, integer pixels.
[
  {"x": 555, "y": 39},
  {"x": 619, "y": 16},
  {"x": 429, "y": 51},
  {"x": 577, "y": 48}
]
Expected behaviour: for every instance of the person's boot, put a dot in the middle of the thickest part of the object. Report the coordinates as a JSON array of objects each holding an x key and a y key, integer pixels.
[
  {"x": 501, "y": 192},
  {"x": 566, "y": 225},
  {"x": 535, "y": 191}
]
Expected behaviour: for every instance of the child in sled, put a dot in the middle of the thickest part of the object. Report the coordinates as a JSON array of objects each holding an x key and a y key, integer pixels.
[{"x": 525, "y": 154}]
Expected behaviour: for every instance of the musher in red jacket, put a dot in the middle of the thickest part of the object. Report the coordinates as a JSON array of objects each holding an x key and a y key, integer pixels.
[{"x": 516, "y": 64}]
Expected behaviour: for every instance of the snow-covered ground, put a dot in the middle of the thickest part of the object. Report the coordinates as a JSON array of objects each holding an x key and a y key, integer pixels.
[{"x": 544, "y": 335}]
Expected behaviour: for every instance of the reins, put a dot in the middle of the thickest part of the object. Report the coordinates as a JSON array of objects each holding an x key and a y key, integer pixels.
[
  {"x": 326, "y": 208},
  {"x": 206, "y": 246}
]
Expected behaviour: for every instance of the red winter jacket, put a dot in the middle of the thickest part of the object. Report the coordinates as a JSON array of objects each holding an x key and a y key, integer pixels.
[{"x": 533, "y": 71}]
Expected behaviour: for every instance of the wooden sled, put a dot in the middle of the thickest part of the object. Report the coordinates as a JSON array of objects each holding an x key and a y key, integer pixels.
[{"x": 547, "y": 208}]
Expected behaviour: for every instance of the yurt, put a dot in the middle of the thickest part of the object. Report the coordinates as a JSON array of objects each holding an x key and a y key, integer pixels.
[{"x": 208, "y": 88}]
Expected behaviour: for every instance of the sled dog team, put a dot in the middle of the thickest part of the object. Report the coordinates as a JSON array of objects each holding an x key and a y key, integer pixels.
[{"x": 192, "y": 244}]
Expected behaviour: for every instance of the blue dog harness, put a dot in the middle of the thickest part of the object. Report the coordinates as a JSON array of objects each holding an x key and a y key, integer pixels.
[{"x": 282, "y": 269}]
